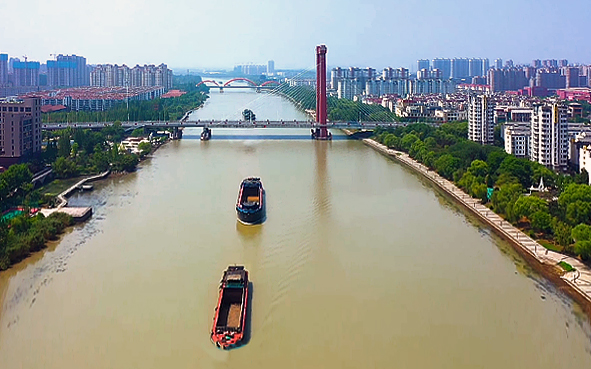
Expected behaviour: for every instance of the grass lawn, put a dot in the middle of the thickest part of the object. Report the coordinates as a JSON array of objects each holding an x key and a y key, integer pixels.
[
  {"x": 58, "y": 186},
  {"x": 566, "y": 266},
  {"x": 550, "y": 246}
]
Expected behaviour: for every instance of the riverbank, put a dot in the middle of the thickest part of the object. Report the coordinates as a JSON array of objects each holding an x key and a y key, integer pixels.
[{"x": 577, "y": 282}]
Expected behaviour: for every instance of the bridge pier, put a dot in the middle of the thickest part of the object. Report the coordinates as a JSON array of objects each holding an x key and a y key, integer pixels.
[
  {"x": 321, "y": 109},
  {"x": 177, "y": 133}
]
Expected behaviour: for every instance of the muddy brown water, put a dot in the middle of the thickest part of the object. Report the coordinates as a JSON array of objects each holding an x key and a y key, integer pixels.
[{"x": 360, "y": 264}]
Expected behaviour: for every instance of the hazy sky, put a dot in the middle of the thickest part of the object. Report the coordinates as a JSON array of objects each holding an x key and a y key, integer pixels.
[{"x": 222, "y": 33}]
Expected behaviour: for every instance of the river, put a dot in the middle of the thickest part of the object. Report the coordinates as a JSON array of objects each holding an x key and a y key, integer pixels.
[{"x": 360, "y": 264}]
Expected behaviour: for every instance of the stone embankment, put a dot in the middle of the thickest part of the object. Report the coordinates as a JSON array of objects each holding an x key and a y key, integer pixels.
[{"x": 577, "y": 281}]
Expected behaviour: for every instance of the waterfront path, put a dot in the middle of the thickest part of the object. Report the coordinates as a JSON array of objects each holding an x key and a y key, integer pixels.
[
  {"x": 579, "y": 279},
  {"x": 62, "y": 197}
]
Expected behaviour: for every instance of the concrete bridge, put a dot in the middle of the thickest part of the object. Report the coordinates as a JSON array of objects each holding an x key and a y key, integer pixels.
[{"x": 309, "y": 124}]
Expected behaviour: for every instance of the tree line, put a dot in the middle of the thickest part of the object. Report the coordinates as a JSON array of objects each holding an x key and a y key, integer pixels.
[
  {"x": 338, "y": 109},
  {"x": 562, "y": 216}
]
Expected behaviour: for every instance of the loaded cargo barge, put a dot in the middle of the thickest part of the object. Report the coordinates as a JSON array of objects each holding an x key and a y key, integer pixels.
[
  {"x": 250, "y": 206},
  {"x": 230, "y": 314}
]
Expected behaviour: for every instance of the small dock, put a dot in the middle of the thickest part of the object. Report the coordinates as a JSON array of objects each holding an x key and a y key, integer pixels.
[{"x": 79, "y": 214}]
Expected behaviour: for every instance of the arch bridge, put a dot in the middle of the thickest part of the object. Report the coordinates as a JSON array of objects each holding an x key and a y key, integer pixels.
[{"x": 230, "y": 84}]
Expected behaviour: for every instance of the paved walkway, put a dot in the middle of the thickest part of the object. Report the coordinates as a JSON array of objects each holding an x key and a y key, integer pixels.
[
  {"x": 62, "y": 197},
  {"x": 579, "y": 278}
]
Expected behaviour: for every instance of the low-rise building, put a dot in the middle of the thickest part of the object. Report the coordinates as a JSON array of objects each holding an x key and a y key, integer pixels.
[
  {"x": 131, "y": 144},
  {"x": 582, "y": 143}
]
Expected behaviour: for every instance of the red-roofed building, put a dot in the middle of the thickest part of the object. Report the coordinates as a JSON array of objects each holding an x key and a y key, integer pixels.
[
  {"x": 173, "y": 93},
  {"x": 52, "y": 108},
  {"x": 582, "y": 93}
]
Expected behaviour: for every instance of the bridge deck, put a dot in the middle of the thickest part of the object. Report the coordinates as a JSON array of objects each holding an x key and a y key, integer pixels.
[{"x": 228, "y": 124}]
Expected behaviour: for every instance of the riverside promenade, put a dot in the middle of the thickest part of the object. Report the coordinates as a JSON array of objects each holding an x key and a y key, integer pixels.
[
  {"x": 579, "y": 279},
  {"x": 78, "y": 213}
]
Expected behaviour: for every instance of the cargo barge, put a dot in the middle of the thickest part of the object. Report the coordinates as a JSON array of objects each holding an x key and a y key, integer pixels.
[
  {"x": 206, "y": 134},
  {"x": 250, "y": 207},
  {"x": 230, "y": 314}
]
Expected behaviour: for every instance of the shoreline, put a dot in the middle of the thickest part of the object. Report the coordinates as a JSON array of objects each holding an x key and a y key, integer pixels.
[{"x": 576, "y": 283}]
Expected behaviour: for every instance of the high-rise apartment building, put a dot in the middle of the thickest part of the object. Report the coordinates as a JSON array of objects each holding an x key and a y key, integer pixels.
[
  {"x": 423, "y": 64},
  {"x": 3, "y": 69},
  {"x": 460, "y": 68},
  {"x": 67, "y": 71},
  {"x": 506, "y": 79},
  {"x": 481, "y": 120},
  {"x": 25, "y": 73},
  {"x": 550, "y": 79},
  {"x": 20, "y": 129},
  {"x": 444, "y": 65},
  {"x": 107, "y": 75},
  {"x": 550, "y": 63},
  {"x": 549, "y": 135},
  {"x": 270, "y": 67},
  {"x": 571, "y": 75},
  {"x": 498, "y": 63},
  {"x": 478, "y": 67},
  {"x": 250, "y": 69}
]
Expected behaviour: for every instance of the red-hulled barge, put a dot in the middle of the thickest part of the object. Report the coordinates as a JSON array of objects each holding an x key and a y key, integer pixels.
[{"x": 230, "y": 314}]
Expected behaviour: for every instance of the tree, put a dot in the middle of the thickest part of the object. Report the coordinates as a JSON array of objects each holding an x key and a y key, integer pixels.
[
  {"x": 518, "y": 168},
  {"x": 63, "y": 145},
  {"x": 540, "y": 171},
  {"x": 75, "y": 148},
  {"x": 408, "y": 140},
  {"x": 562, "y": 233},
  {"x": 392, "y": 141},
  {"x": 583, "y": 248},
  {"x": 100, "y": 160},
  {"x": 581, "y": 232},
  {"x": 541, "y": 221},
  {"x": 15, "y": 180},
  {"x": 478, "y": 168},
  {"x": 416, "y": 148},
  {"x": 480, "y": 191},
  {"x": 526, "y": 206},
  {"x": 446, "y": 165},
  {"x": 65, "y": 168},
  {"x": 503, "y": 199},
  {"x": 576, "y": 200},
  {"x": 583, "y": 177},
  {"x": 144, "y": 148},
  {"x": 126, "y": 162}
]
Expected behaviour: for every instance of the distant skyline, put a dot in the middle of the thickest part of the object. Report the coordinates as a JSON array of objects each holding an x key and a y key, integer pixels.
[{"x": 196, "y": 34}]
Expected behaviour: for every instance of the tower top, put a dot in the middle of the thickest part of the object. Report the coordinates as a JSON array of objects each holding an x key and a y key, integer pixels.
[{"x": 321, "y": 49}]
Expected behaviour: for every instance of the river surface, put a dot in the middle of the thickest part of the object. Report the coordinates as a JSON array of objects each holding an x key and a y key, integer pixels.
[{"x": 360, "y": 264}]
